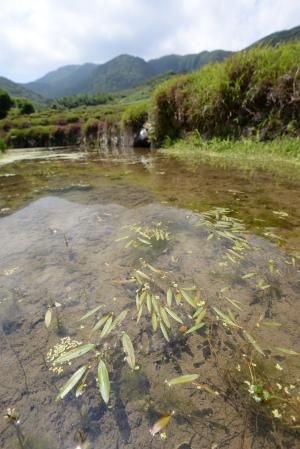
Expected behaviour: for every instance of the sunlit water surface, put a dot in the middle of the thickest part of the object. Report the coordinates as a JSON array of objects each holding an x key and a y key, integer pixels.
[{"x": 63, "y": 214}]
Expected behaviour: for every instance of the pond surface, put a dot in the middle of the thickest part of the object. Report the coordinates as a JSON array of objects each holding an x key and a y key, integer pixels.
[{"x": 230, "y": 238}]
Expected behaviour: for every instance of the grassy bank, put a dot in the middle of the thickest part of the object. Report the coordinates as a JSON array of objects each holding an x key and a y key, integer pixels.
[
  {"x": 255, "y": 92},
  {"x": 280, "y": 156}
]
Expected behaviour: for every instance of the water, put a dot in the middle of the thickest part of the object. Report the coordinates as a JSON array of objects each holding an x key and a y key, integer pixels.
[{"x": 62, "y": 216}]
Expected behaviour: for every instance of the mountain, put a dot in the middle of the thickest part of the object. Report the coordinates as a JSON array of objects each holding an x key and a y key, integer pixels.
[
  {"x": 187, "y": 63},
  {"x": 122, "y": 72},
  {"x": 279, "y": 37},
  {"x": 18, "y": 90}
]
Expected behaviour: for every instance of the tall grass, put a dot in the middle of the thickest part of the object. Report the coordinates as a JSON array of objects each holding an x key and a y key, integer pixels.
[{"x": 254, "y": 90}]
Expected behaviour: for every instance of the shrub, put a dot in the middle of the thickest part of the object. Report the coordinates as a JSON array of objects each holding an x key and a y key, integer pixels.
[
  {"x": 135, "y": 115},
  {"x": 6, "y": 103}
]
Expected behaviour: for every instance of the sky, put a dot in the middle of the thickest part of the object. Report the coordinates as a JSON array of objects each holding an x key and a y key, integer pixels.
[{"x": 37, "y": 36}]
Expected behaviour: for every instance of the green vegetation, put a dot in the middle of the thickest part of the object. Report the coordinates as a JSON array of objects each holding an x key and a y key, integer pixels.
[
  {"x": 280, "y": 155},
  {"x": 254, "y": 92},
  {"x": 135, "y": 116},
  {"x": 6, "y": 103},
  {"x": 2, "y": 145},
  {"x": 74, "y": 101}
]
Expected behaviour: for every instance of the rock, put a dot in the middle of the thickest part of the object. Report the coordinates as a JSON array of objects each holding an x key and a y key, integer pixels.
[{"x": 141, "y": 139}]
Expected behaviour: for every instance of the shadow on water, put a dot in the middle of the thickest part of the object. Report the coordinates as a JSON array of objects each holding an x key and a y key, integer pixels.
[{"x": 63, "y": 216}]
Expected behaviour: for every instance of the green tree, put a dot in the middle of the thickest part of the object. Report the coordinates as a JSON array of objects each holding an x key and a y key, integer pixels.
[{"x": 5, "y": 103}]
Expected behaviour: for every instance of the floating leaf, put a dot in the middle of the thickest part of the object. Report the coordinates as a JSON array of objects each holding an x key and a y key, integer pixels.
[
  {"x": 75, "y": 353},
  {"x": 107, "y": 328},
  {"x": 178, "y": 297},
  {"x": 101, "y": 322},
  {"x": 174, "y": 315},
  {"x": 169, "y": 297},
  {"x": 165, "y": 317},
  {"x": 164, "y": 330},
  {"x": 81, "y": 385},
  {"x": 195, "y": 328},
  {"x": 123, "y": 238},
  {"x": 121, "y": 317},
  {"x": 143, "y": 275},
  {"x": 91, "y": 312},
  {"x": 71, "y": 383},
  {"x": 288, "y": 351},
  {"x": 160, "y": 424},
  {"x": 103, "y": 379},
  {"x": 149, "y": 303},
  {"x": 48, "y": 317},
  {"x": 254, "y": 343},
  {"x": 225, "y": 317},
  {"x": 146, "y": 242},
  {"x": 188, "y": 298},
  {"x": 140, "y": 314},
  {"x": 186, "y": 378},
  {"x": 200, "y": 316},
  {"x": 154, "y": 321},
  {"x": 128, "y": 348}
]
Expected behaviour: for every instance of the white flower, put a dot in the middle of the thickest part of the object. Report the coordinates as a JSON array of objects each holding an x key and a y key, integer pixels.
[
  {"x": 276, "y": 414},
  {"x": 278, "y": 367}
]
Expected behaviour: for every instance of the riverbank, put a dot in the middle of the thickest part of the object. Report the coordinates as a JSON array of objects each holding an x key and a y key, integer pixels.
[{"x": 280, "y": 156}]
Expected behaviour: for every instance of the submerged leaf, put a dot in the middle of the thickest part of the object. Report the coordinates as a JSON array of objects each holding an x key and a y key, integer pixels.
[
  {"x": 74, "y": 353},
  {"x": 288, "y": 351},
  {"x": 121, "y": 317},
  {"x": 187, "y": 378},
  {"x": 154, "y": 321},
  {"x": 48, "y": 317},
  {"x": 103, "y": 379},
  {"x": 129, "y": 350},
  {"x": 91, "y": 312},
  {"x": 225, "y": 317},
  {"x": 71, "y": 382},
  {"x": 165, "y": 317},
  {"x": 160, "y": 424},
  {"x": 254, "y": 343}
]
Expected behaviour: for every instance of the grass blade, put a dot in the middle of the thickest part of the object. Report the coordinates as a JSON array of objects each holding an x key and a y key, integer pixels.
[
  {"x": 129, "y": 350},
  {"x": 186, "y": 378}
]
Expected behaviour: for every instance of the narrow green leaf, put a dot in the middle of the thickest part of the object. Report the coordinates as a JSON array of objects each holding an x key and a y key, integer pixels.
[
  {"x": 75, "y": 353},
  {"x": 225, "y": 317},
  {"x": 71, "y": 382},
  {"x": 187, "y": 378},
  {"x": 107, "y": 328},
  {"x": 165, "y": 317},
  {"x": 143, "y": 275},
  {"x": 169, "y": 297},
  {"x": 146, "y": 242},
  {"x": 103, "y": 380},
  {"x": 154, "y": 321},
  {"x": 121, "y": 317},
  {"x": 164, "y": 330},
  {"x": 174, "y": 315},
  {"x": 195, "y": 328},
  {"x": 288, "y": 351},
  {"x": 91, "y": 312},
  {"x": 149, "y": 303},
  {"x": 191, "y": 301},
  {"x": 101, "y": 322},
  {"x": 128, "y": 348}
]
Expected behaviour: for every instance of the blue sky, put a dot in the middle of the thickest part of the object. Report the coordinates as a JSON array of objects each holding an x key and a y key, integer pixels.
[{"x": 37, "y": 36}]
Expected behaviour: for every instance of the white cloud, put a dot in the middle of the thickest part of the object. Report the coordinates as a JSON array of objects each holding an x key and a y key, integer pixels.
[{"x": 38, "y": 36}]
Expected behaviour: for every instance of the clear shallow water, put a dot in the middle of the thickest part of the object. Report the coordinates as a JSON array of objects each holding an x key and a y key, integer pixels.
[{"x": 61, "y": 221}]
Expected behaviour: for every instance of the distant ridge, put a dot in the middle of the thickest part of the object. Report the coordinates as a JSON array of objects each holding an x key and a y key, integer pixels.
[{"x": 123, "y": 72}]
